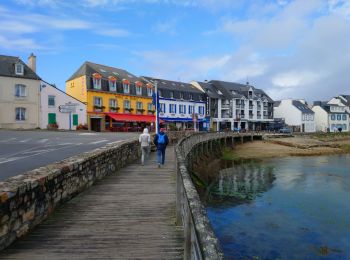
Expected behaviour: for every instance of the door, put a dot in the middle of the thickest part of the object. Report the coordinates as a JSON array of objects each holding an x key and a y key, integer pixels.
[{"x": 95, "y": 124}]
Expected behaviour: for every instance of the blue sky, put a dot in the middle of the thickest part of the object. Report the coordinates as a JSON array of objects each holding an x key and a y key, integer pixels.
[{"x": 291, "y": 49}]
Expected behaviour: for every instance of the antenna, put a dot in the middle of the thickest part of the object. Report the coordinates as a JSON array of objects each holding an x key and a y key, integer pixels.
[{"x": 247, "y": 82}]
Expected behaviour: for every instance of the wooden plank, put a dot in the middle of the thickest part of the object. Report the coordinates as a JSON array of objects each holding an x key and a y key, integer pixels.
[{"x": 127, "y": 215}]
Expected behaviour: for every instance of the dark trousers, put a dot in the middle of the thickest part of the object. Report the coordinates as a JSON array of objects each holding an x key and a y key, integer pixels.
[{"x": 160, "y": 155}]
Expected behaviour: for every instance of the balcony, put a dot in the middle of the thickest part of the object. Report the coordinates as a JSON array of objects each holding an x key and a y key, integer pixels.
[
  {"x": 225, "y": 106},
  {"x": 259, "y": 116},
  {"x": 250, "y": 116},
  {"x": 250, "y": 107},
  {"x": 99, "y": 108}
]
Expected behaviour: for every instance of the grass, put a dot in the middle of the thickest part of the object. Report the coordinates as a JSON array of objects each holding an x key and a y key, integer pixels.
[
  {"x": 229, "y": 155},
  {"x": 346, "y": 147},
  {"x": 331, "y": 136}
]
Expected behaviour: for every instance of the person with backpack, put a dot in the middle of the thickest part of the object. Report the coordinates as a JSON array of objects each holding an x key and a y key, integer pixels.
[
  {"x": 161, "y": 140},
  {"x": 145, "y": 140}
]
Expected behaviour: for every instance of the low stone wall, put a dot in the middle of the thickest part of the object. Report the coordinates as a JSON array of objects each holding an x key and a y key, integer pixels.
[
  {"x": 200, "y": 240},
  {"x": 28, "y": 199}
]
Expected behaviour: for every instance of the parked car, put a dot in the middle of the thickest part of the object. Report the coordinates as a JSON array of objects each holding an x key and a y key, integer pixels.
[{"x": 285, "y": 130}]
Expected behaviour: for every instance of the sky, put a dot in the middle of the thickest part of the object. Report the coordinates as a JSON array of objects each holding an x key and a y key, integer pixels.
[{"x": 290, "y": 49}]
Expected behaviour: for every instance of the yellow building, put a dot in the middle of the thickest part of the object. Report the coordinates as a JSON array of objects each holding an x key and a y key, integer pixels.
[{"x": 116, "y": 99}]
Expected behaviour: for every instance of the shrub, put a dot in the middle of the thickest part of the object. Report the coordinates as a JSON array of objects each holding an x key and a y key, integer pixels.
[{"x": 82, "y": 127}]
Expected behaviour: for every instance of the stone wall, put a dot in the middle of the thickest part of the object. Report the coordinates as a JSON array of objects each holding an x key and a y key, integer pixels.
[{"x": 28, "y": 199}]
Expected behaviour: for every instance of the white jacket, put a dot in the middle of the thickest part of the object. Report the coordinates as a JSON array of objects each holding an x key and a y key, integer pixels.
[{"x": 145, "y": 138}]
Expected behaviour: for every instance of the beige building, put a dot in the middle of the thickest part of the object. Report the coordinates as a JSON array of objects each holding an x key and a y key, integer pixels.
[{"x": 19, "y": 93}]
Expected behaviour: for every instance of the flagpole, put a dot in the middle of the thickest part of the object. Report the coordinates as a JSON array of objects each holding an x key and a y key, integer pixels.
[{"x": 157, "y": 106}]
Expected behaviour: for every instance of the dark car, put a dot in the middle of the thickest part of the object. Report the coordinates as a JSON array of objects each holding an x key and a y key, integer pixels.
[{"x": 285, "y": 130}]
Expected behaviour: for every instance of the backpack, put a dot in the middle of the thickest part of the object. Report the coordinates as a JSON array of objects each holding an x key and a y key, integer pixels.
[{"x": 161, "y": 139}]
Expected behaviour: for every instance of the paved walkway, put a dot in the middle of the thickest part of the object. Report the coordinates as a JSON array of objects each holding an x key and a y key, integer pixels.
[{"x": 128, "y": 215}]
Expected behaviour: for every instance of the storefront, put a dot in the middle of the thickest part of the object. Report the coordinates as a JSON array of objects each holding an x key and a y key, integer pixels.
[{"x": 129, "y": 122}]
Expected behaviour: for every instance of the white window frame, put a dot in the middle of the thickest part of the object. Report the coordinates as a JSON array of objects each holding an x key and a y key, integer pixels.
[
  {"x": 162, "y": 107},
  {"x": 51, "y": 97},
  {"x": 19, "y": 69},
  {"x": 160, "y": 93},
  {"x": 113, "y": 103},
  {"x": 97, "y": 83},
  {"x": 181, "y": 95},
  {"x": 139, "y": 105},
  {"x": 191, "y": 96},
  {"x": 181, "y": 109},
  {"x": 112, "y": 85},
  {"x": 149, "y": 92},
  {"x": 21, "y": 112},
  {"x": 126, "y": 88},
  {"x": 150, "y": 106},
  {"x": 138, "y": 90},
  {"x": 171, "y": 94},
  {"x": 21, "y": 90},
  {"x": 127, "y": 104},
  {"x": 98, "y": 103}
]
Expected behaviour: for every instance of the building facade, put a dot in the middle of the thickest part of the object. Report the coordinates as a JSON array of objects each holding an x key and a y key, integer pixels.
[
  {"x": 238, "y": 107},
  {"x": 330, "y": 117},
  {"x": 116, "y": 99},
  {"x": 58, "y": 109},
  {"x": 19, "y": 94},
  {"x": 182, "y": 106},
  {"x": 342, "y": 100},
  {"x": 296, "y": 114}
]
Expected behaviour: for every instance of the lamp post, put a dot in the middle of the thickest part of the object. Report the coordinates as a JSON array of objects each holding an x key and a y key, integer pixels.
[{"x": 157, "y": 106}]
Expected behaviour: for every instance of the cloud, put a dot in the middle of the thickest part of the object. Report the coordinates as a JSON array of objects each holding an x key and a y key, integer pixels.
[
  {"x": 113, "y": 32},
  {"x": 166, "y": 27},
  {"x": 20, "y": 43}
]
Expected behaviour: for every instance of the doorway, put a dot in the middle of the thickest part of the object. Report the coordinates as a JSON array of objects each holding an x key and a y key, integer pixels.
[{"x": 95, "y": 124}]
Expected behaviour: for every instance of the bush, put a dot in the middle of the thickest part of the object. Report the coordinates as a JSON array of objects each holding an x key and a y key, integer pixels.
[
  {"x": 82, "y": 127},
  {"x": 53, "y": 126}
]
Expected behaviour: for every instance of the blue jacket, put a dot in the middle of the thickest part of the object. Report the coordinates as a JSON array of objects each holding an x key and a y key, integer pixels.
[{"x": 161, "y": 146}]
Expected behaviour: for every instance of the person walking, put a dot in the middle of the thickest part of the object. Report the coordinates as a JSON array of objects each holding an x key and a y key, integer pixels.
[
  {"x": 161, "y": 141},
  {"x": 145, "y": 140}
]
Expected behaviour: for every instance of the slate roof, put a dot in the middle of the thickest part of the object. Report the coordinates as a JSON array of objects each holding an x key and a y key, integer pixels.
[
  {"x": 302, "y": 107},
  {"x": 347, "y": 98},
  {"x": 210, "y": 90},
  {"x": 236, "y": 90},
  {"x": 89, "y": 68},
  {"x": 173, "y": 85},
  {"x": 276, "y": 103},
  {"x": 327, "y": 107},
  {"x": 7, "y": 68}
]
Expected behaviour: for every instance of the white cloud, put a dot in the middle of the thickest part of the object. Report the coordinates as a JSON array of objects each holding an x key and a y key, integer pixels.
[
  {"x": 166, "y": 27},
  {"x": 294, "y": 79},
  {"x": 20, "y": 43},
  {"x": 113, "y": 32}
]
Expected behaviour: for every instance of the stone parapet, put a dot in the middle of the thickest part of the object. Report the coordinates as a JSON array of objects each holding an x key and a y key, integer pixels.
[{"x": 28, "y": 199}]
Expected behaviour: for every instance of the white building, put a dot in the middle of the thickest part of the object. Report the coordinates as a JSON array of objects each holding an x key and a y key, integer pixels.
[
  {"x": 57, "y": 107},
  {"x": 330, "y": 117},
  {"x": 296, "y": 115},
  {"x": 341, "y": 100}
]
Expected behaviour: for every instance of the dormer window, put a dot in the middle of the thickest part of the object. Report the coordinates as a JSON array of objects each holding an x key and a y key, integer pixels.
[
  {"x": 138, "y": 88},
  {"x": 191, "y": 96},
  {"x": 171, "y": 94},
  {"x": 181, "y": 95},
  {"x": 126, "y": 86},
  {"x": 19, "y": 69},
  {"x": 96, "y": 79},
  {"x": 112, "y": 83},
  {"x": 149, "y": 90}
]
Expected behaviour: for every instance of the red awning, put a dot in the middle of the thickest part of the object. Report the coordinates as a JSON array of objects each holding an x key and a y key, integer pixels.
[{"x": 132, "y": 117}]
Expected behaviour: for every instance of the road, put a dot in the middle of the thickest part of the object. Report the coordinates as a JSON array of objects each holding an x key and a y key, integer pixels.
[{"x": 22, "y": 151}]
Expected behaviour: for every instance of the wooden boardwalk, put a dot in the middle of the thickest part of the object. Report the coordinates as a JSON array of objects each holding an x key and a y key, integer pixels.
[{"x": 128, "y": 215}]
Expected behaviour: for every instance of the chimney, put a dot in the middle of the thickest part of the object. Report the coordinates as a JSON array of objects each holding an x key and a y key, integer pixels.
[{"x": 32, "y": 62}]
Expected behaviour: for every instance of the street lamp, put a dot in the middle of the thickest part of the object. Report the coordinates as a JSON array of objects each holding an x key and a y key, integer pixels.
[{"x": 156, "y": 104}]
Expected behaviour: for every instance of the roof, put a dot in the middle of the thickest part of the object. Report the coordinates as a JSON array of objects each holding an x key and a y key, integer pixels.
[
  {"x": 302, "y": 107},
  {"x": 345, "y": 99},
  {"x": 237, "y": 90},
  {"x": 209, "y": 89},
  {"x": 276, "y": 103},
  {"x": 7, "y": 68},
  {"x": 327, "y": 107},
  {"x": 89, "y": 68},
  {"x": 173, "y": 85}
]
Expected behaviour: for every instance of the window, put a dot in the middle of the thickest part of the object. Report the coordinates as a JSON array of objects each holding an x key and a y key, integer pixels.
[
  {"x": 338, "y": 117},
  {"x": 181, "y": 95},
  {"x": 75, "y": 119},
  {"x": 97, "y": 83},
  {"x": 303, "y": 117},
  {"x": 332, "y": 117},
  {"x": 138, "y": 90},
  {"x": 126, "y": 88},
  {"x": 149, "y": 92},
  {"x": 171, "y": 94},
  {"x": 113, "y": 103},
  {"x": 19, "y": 69},
  {"x": 127, "y": 104},
  {"x": 150, "y": 106},
  {"x": 20, "y": 90},
  {"x": 112, "y": 85},
  {"x": 190, "y": 109},
  {"x": 344, "y": 117},
  {"x": 172, "y": 108},
  {"x": 191, "y": 96},
  {"x": 201, "y": 110},
  {"x": 162, "y": 107},
  {"x": 20, "y": 114},
  {"x": 97, "y": 102},
  {"x": 51, "y": 118},
  {"x": 182, "y": 109},
  {"x": 51, "y": 101},
  {"x": 160, "y": 94},
  {"x": 139, "y": 105}
]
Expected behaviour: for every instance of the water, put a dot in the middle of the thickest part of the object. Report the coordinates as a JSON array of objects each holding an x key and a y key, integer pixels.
[{"x": 291, "y": 208}]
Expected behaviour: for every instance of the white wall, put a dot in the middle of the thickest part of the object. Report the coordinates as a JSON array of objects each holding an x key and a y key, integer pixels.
[
  {"x": 321, "y": 118},
  {"x": 9, "y": 102},
  {"x": 187, "y": 115},
  {"x": 290, "y": 113},
  {"x": 61, "y": 98}
]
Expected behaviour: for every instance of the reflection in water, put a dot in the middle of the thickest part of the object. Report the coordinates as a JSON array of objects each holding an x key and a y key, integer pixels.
[
  {"x": 289, "y": 208},
  {"x": 241, "y": 183}
]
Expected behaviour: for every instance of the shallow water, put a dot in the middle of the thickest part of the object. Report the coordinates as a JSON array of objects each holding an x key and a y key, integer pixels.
[{"x": 290, "y": 208}]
